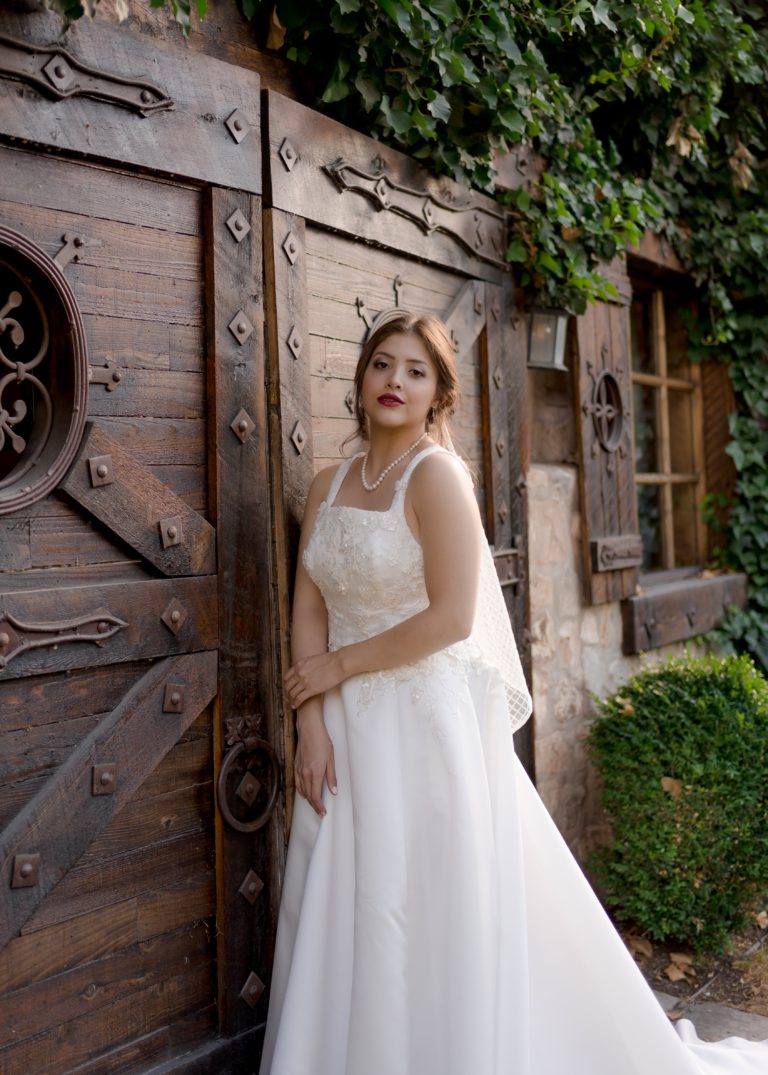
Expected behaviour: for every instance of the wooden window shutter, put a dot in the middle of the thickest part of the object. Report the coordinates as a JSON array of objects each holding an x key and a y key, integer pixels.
[
  {"x": 611, "y": 543},
  {"x": 718, "y": 403}
]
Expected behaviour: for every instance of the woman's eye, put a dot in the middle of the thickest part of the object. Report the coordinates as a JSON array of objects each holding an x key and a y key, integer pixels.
[
  {"x": 379, "y": 364},
  {"x": 418, "y": 372}
]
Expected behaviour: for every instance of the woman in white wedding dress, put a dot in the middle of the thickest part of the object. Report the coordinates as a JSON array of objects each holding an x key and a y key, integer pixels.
[{"x": 433, "y": 921}]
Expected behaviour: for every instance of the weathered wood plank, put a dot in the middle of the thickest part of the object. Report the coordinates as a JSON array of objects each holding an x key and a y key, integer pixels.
[
  {"x": 160, "y": 441},
  {"x": 309, "y": 191},
  {"x": 129, "y": 1017},
  {"x": 675, "y": 611},
  {"x": 242, "y": 511},
  {"x": 144, "y": 822},
  {"x": 189, "y": 140},
  {"x": 85, "y": 890},
  {"x": 111, "y": 291},
  {"x": 139, "y": 606},
  {"x": 130, "y": 344},
  {"x": 35, "y": 957},
  {"x": 138, "y": 250},
  {"x": 134, "y": 737},
  {"x": 53, "y": 183},
  {"x": 147, "y": 515},
  {"x": 85, "y": 989},
  {"x": 151, "y": 393}
]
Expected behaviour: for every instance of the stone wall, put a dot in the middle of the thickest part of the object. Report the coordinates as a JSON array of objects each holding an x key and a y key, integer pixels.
[{"x": 576, "y": 648}]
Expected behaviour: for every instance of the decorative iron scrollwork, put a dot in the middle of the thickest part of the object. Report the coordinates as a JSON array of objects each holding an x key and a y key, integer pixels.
[
  {"x": 17, "y": 637},
  {"x": 249, "y": 776},
  {"x": 478, "y": 229},
  {"x": 43, "y": 373},
  {"x": 609, "y": 412},
  {"x": 57, "y": 73}
]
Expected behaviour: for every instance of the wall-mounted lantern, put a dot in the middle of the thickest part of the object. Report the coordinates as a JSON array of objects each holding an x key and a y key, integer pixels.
[{"x": 547, "y": 331}]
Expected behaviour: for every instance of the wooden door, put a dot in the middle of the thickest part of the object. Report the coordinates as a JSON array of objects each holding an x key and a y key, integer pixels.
[
  {"x": 139, "y": 839},
  {"x": 352, "y": 228}
]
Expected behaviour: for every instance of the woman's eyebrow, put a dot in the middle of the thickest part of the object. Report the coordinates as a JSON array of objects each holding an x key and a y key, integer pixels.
[{"x": 386, "y": 354}]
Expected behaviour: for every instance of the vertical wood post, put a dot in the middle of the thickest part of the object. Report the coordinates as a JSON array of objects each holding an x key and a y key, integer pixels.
[{"x": 240, "y": 506}]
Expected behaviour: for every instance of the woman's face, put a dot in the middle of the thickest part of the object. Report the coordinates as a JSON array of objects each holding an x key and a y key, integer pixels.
[{"x": 399, "y": 384}]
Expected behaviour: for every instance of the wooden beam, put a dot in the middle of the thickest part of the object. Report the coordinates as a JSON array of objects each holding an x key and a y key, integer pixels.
[{"x": 53, "y": 830}]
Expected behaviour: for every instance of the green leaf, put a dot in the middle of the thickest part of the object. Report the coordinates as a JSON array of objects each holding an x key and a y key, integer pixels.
[
  {"x": 516, "y": 251},
  {"x": 440, "y": 107}
]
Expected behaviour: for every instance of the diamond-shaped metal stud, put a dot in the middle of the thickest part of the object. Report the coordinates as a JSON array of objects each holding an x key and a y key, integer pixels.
[
  {"x": 174, "y": 615},
  {"x": 100, "y": 470},
  {"x": 252, "y": 989},
  {"x": 242, "y": 425},
  {"x": 26, "y": 871},
  {"x": 171, "y": 531},
  {"x": 251, "y": 886},
  {"x": 173, "y": 698},
  {"x": 498, "y": 377},
  {"x": 295, "y": 342},
  {"x": 503, "y": 512},
  {"x": 240, "y": 327},
  {"x": 299, "y": 437},
  {"x": 501, "y": 445},
  {"x": 237, "y": 125},
  {"x": 381, "y": 190},
  {"x": 496, "y": 309},
  {"x": 349, "y": 400},
  {"x": 479, "y": 235},
  {"x": 428, "y": 212},
  {"x": 287, "y": 154},
  {"x": 104, "y": 779},
  {"x": 291, "y": 247},
  {"x": 238, "y": 225},
  {"x": 479, "y": 305},
  {"x": 59, "y": 73},
  {"x": 248, "y": 789}
]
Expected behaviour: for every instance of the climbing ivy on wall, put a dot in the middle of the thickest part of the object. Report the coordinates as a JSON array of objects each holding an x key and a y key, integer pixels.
[{"x": 647, "y": 114}]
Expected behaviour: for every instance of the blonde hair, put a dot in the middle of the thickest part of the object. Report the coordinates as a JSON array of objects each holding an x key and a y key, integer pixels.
[{"x": 434, "y": 335}]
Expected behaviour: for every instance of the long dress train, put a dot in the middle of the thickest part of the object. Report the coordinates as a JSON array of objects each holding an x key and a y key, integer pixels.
[{"x": 434, "y": 922}]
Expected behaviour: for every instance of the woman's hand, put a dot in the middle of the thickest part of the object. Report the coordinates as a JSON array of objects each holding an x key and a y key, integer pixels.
[
  {"x": 314, "y": 762},
  {"x": 312, "y": 675}
]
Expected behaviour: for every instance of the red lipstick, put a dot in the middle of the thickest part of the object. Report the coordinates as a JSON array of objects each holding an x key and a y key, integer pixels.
[{"x": 390, "y": 400}]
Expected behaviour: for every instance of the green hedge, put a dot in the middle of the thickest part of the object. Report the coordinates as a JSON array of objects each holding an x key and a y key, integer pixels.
[{"x": 682, "y": 751}]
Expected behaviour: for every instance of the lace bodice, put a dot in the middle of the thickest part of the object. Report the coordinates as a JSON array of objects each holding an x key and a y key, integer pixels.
[
  {"x": 367, "y": 564},
  {"x": 370, "y": 570}
]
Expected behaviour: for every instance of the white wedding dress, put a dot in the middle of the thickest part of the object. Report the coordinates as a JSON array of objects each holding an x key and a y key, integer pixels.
[{"x": 434, "y": 922}]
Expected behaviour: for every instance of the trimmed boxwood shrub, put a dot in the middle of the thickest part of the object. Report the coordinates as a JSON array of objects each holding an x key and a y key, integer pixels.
[{"x": 682, "y": 751}]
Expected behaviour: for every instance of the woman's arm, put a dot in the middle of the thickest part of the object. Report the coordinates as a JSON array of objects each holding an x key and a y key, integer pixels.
[
  {"x": 314, "y": 762},
  {"x": 450, "y": 533}
]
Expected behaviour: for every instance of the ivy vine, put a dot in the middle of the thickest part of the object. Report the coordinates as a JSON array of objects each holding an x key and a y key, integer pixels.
[{"x": 648, "y": 114}]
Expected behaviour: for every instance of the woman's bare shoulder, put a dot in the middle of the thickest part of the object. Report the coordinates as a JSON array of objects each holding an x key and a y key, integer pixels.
[
  {"x": 321, "y": 483},
  {"x": 440, "y": 472}
]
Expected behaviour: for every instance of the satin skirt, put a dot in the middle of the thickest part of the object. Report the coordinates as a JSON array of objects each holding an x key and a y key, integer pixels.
[{"x": 435, "y": 923}]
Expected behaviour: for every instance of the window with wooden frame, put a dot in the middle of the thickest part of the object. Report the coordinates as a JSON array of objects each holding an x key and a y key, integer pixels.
[{"x": 668, "y": 430}]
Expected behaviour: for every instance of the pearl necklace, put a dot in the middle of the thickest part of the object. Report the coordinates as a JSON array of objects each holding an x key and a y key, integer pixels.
[{"x": 369, "y": 487}]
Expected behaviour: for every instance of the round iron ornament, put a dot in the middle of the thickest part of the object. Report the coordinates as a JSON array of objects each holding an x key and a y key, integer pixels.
[
  {"x": 607, "y": 410},
  {"x": 43, "y": 373},
  {"x": 238, "y": 788}
]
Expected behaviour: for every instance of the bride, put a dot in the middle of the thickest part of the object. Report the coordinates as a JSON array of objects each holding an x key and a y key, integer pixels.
[{"x": 433, "y": 921}]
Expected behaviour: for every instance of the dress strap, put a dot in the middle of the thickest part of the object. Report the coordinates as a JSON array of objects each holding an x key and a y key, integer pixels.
[{"x": 339, "y": 477}]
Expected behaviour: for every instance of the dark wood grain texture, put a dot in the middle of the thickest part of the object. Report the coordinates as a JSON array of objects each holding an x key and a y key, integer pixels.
[
  {"x": 675, "y": 611},
  {"x": 134, "y": 736},
  {"x": 189, "y": 140},
  {"x": 140, "y": 606},
  {"x": 307, "y": 190},
  {"x": 140, "y": 509},
  {"x": 239, "y": 479}
]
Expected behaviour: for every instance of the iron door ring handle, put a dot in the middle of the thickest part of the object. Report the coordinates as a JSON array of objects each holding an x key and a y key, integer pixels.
[{"x": 249, "y": 747}]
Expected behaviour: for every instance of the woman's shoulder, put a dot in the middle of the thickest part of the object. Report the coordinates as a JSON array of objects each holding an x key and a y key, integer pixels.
[
  {"x": 440, "y": 473},
  {"x": 322, "y": 482}
]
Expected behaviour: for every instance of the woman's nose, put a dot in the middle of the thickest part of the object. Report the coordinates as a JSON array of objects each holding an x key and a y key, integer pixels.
[{"x": 394, "y": 379}]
